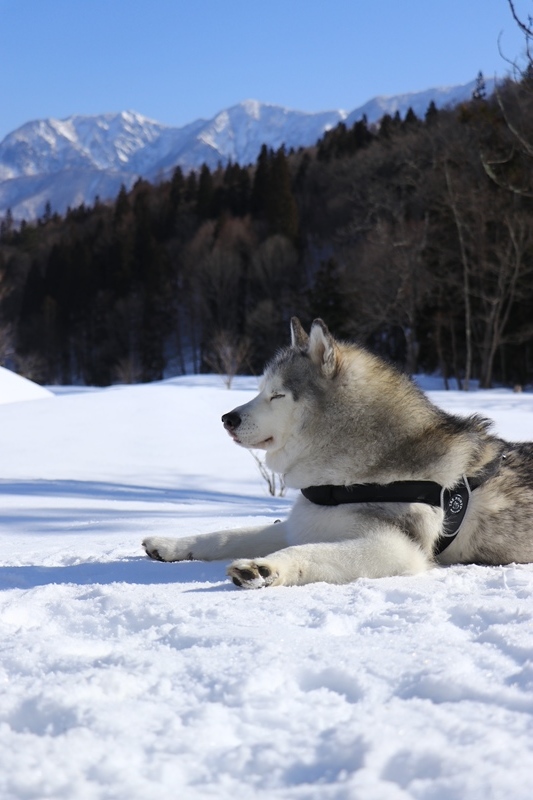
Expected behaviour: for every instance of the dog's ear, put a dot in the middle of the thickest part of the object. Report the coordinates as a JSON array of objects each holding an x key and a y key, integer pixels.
[
  {"x": 323, "y": 349},
  {"x": 299, "y": 338}
]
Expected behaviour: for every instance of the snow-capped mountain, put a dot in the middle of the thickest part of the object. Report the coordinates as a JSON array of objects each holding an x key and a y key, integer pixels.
[
  {"x": 104, "y": 142},
  {"x": 69, "y": 162},
  {"x": 235, "y": 134},
  {"x": 445, "y": 96}
]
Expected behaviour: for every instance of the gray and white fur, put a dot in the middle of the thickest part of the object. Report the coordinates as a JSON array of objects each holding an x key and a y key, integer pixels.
[{"x": 329, "y": 412}]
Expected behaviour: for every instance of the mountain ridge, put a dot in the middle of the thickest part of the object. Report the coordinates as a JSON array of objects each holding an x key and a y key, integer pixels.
[{"x": 71, "y": 161}]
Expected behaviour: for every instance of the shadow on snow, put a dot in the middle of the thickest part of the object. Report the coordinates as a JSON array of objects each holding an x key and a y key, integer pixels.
[
  {"x": 100, "y": 490},
  {"x": 95, "y": 515},
  {"x": 140, "y": 571}
]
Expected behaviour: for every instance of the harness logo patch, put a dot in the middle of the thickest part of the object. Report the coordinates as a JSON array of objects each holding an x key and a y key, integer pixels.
[{"x": 455, "y": 504}]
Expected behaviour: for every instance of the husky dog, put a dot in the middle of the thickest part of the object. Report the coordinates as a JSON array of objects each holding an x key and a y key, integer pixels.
[{"x": 390, "y": 484}]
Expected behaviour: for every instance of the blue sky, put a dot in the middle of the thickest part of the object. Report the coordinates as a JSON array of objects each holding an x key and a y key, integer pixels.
[{"x": 178, "y": 60}]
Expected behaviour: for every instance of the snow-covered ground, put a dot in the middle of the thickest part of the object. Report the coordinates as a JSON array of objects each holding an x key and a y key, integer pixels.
[
  {"x": 14, "y": 388},
  {"x": 127, "y": 679}
]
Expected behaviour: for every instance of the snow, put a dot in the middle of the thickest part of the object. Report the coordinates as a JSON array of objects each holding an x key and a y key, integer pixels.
[
  {"x": 14, "y": 388},
  {"x": 129, "y": 679}
]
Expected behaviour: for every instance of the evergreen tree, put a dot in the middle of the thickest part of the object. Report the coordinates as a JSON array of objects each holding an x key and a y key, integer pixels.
[
  {"x": 6, "y": 226},
  {"x": 480, "y": 92},
  {"x": 33, "y": 294},
  {"x": 177, "y": 188},
  {"x": 389, "y": 125},
  {"x": 143, "y": 235},
  {"x": 174, "y": 203},
  {"x": 360, "y": 134},
  {"x": 281, "y": 205},
  {"x": 243, "y": 192},
  {"x": 234, "y": 194},
  {"x": 411, "y": 120},
  {"x": 261, "y": 183},
  {"x": 121, "y": 204},
  {"x": 431, "y": 113},
  {"x": 191, "y": 187},
  {"x": 205, "y": 193}
]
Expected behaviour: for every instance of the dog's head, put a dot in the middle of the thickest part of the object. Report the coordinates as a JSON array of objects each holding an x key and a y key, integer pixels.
[{"x": 292, "y": 381}]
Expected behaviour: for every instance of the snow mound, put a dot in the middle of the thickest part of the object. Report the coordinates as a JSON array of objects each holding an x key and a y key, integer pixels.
[{"x": 14, "y": 388}]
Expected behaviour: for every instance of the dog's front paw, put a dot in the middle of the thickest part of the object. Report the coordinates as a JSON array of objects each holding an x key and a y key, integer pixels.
[
  {"x": 151, "y": 551},
  {"x": 161, "y": 549},
  {"x": 256, "y": 574}
]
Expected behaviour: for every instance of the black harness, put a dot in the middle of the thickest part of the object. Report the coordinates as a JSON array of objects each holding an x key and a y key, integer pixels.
[{"x": 454, "y": 502}]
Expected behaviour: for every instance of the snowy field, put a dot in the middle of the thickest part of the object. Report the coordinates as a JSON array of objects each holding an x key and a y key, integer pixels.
[{"x": 127, "y": 679}]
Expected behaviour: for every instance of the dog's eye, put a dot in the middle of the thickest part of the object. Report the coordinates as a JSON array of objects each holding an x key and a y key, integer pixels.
[{"x": 276, "y": 396}]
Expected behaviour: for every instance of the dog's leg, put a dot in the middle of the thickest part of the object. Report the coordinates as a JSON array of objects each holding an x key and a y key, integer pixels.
[
  {"x": 386, "y": 553},
  {"x": 238, "y": 543}
]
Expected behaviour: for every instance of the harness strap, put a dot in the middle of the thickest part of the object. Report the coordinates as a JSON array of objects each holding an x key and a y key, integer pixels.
[
  {"x": 396, "y": 492},
  {"x": 454, "y": 502}
]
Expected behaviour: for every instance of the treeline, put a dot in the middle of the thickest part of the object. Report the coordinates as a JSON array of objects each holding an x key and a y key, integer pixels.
[{"x": 414, "y": 237}]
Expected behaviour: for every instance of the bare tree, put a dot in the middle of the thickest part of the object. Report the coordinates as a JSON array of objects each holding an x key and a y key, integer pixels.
[
  {"x": 227, "y": 355},
  {"x": 495, "y": 245},
  {"x": 504, "y": 282},
  {"x": 6, "y": 347},
  {"x": 128, "y": 370},
  {"x": 459, "y": 221},
  {"x": 6, "y": 329},
  {"x": 384, "y": 247},
  {"x": 525, "y": 27},
  {"x": 395, "y": 281},
  {"x": 275, "y": 482},
  {"x": 503, "y": 162}
]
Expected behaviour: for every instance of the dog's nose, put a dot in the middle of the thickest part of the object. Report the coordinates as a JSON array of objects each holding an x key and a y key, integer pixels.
[{"x": 231, "y": 421}]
